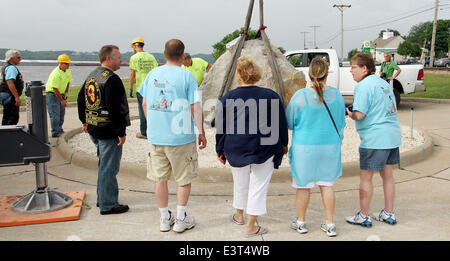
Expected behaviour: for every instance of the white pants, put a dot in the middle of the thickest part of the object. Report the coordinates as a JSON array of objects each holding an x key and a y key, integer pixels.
[{"x": 250, "y": 187}]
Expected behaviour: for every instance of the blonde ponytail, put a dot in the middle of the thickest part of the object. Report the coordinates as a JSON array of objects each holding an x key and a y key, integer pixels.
[
  {"x": 318, "y": 72},
  {"x": 318, "y": 88}
]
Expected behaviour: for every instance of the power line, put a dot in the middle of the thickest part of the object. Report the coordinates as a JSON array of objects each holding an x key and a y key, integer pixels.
[
  {"x": 389, "y": 21},
  {"x": 334, "y": 36},
  {"x": 398, "y": 15}
]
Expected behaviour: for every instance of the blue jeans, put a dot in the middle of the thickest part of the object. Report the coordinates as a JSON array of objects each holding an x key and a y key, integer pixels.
[
  {"x": 10, "y": 110},
  {"x": 141, "y": 114},
  {"x": 5, "y": 98},
  {"x": 56, "y": 112},
  {"x": 377, "y": 159},
  {"x": 109, "y": 155}
]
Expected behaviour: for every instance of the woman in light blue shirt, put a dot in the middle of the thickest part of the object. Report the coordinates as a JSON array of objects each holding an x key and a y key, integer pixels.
[
  {"x": 317, "y": 117},
  {"x": 375, "y": 113}
]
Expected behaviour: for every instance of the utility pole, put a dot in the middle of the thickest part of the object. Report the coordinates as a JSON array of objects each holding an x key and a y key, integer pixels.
[
  {"x": 433, "y": 37},
  {"x": 304, "y": 39},
  {"x": 314, "y": 27},
  {"x": 341, "y": 8}
]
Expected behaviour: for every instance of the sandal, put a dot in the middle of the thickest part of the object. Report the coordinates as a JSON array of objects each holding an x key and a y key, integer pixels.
[
  {"x": 258, "y": 232},
  {"x": 235, "y": 221}
]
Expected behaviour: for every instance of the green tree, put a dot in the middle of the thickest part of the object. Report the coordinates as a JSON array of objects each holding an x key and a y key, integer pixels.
[
  {"x": 352, "y": 53},
  {"x": 221, "y": 47},
  {"x": 424, "y": 31},
  {"x": 409, "y": 48}
]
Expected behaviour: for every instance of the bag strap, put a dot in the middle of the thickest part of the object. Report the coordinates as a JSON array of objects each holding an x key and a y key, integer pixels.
[{"x": 329, "y": 113}]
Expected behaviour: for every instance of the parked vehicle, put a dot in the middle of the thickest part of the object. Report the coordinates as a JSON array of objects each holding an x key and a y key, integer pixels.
[
  {"x": 443, "y": 62},
  {"x": 412, "y": 61},
  {"x": 409, "y": 61},
  {"x": 410, "y": 79},
  {"x": 426, "y": 61}
]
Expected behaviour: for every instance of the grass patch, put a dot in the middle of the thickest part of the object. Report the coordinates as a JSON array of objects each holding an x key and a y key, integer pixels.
[
  {"x": 437, "y": 87},
  {"x": 74, "y": 90}
]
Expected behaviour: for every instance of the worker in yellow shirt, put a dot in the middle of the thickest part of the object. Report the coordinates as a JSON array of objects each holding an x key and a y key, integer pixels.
[
  {"x": 57, "y": 88},
  {"x": 197, "y": 66},
  {"x": 141, "y": 63}
]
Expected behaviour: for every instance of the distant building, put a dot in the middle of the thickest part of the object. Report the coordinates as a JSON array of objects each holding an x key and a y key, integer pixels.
[{"x": 387, "y": 43}]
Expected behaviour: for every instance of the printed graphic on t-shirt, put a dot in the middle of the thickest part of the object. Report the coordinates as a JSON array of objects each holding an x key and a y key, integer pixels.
[
  {"x": 144, "y": 64},
  {"x": 164, "y": 99},
  {"x": 392, "y": 110}
]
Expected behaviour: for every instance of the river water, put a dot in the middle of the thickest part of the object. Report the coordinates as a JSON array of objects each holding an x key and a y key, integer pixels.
[{"x": 79, "y": 73}]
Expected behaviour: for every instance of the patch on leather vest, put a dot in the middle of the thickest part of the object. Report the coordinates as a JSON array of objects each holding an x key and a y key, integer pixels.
[{"x": 93, "y": 94}]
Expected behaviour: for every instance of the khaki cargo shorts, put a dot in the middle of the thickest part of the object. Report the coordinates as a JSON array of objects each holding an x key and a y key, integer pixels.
[{"x": 179, "y": 161}]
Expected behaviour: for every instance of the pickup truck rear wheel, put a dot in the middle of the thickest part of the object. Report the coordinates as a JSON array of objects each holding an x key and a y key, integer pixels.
[{"x": 397, "y": 97}]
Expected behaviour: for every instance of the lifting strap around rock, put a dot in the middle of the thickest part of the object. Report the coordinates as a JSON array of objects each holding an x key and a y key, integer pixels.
[
  {"x": 272, "y": 59},
  {"x": 231, "y": 69}
]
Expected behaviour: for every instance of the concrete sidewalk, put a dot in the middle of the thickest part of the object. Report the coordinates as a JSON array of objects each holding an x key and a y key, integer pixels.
[{"x": 422, "y": 198}]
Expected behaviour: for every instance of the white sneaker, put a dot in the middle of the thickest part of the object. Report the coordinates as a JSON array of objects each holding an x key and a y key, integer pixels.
[
  {"x": 165, "y": 224},
  {"x": 383, "y": 216},
  {"x": 299, "y": 226},
  {"x": 359, "y": 219},
  {"x": 182, "y": 225},
  {"x": 329, "y": 229}
]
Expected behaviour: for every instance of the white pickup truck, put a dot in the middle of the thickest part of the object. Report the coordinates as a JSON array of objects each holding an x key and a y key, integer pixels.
[{"x": 410, "y": 79}]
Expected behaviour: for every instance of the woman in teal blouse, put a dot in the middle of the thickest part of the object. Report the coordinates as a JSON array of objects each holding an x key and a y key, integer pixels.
[{"x": 315, "y": 154}]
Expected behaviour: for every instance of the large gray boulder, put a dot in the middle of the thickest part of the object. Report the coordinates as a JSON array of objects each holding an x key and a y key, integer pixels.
[{"x": 293, "y": 80}]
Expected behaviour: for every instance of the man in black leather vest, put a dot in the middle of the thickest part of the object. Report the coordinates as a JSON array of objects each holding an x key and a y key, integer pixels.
[
  {"x": 11, "y": 87},
  {"x": 103, "y": 110}
]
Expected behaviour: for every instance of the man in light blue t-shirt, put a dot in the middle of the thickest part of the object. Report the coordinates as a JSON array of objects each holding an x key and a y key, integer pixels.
[
  {"x": 169, "y": 92},
  {"x": 172, "y": 107},
  {"x": 375, "y": 113}
]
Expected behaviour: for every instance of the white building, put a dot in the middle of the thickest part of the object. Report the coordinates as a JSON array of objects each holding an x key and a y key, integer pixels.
[{"x": 387, "y": 43}]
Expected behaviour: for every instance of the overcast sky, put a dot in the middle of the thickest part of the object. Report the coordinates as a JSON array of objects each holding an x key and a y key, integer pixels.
[{"x": 86, "y": 25}]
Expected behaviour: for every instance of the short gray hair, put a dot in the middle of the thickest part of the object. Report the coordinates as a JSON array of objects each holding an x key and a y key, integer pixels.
[
  {"x": 187, "y": 56},
  {"x": 10, "y": 54}
]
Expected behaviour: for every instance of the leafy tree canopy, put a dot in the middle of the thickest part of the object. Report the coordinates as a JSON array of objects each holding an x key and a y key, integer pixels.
[
  {"x": 221, "y": 47},
  {"x": 424, "y": 31},
  {"x": 352, "y": 53},
  {"x": 409, "y": 48}
]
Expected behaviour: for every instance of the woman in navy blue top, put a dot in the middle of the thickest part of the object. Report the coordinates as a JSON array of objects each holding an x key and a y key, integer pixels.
[{"x": 252, "y": 135}]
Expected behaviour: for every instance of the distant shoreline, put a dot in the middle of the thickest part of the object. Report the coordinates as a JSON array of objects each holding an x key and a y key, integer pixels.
[{"x": 54, "y": 63}]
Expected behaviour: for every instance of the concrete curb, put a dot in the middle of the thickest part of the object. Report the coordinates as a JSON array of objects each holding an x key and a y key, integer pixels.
[
  {"x": 349, "y": 99},
  {"x": 425, "y": 100},
  {"x": 213, "y": 175},
  {"x": 81, "y": 159}
]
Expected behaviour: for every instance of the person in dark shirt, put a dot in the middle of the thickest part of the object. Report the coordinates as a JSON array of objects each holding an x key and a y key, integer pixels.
[
  {"x": 104, "y": 112},
  {"x": 252, "y": 134},
  {"x": 11, "y": 87}
]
